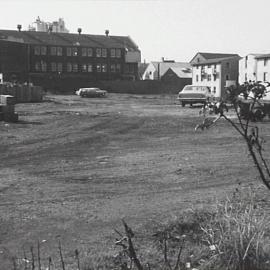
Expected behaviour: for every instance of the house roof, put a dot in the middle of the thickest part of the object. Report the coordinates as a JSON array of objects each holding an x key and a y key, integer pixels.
[
  {"x": 263, "y": 56},
  {"x": 181, "y": 72},
  {"x": 68, "y": 39},
  {"x": 214, "y": 56},
  {"x": 215, "y": 60},
  {"x": 209, "y": 56},
  {"x": 164, "y": 66}
]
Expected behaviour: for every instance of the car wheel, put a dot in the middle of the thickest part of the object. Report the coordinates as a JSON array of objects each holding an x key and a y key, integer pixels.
[{"x": 183, "y": 104}]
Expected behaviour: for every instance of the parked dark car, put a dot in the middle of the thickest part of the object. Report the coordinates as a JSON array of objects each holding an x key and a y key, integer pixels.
[
  {"x": 192, "y": 94},
  {"x": 91, "y": 92}
]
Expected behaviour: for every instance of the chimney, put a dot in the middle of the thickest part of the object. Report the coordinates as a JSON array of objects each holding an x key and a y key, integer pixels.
[
  {"x": 79, "y": 30},
  {"x": 107, "y": 32},
  {"x": 162, "y": 59},
  {"x": 19, "y": 27}
]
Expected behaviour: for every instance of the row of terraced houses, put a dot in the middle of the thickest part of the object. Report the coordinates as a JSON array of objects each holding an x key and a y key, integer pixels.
[
  {"x": 49, "y": 58},
  {"x": 43, "y": 57}
]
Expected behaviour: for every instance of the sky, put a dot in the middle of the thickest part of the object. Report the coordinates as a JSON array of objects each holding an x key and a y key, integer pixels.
[{"x": 163, "y": 28}]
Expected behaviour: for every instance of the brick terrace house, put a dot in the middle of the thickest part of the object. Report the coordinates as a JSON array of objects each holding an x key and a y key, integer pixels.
[
  {"x": 215, "y": 70},
  {"x": 49, "y": 59}
]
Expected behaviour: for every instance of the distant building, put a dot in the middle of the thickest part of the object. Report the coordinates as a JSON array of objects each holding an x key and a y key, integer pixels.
[
  {"x": 155, "y": 70},
  {"x": 141, "y": 69},
  {"x": 263, "y": 68},
  {"x": 215, "y": 70},
  {"x": 254, "y": 67},
  {"x": 177, "y": 75},
  {"x": 49, "y": 58},
  {"x": 56, "y": 26},
  {"x": 248, "y": 68}
]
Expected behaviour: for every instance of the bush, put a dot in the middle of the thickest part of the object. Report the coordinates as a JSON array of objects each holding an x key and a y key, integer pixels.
[{"x": 238, "y": 234}]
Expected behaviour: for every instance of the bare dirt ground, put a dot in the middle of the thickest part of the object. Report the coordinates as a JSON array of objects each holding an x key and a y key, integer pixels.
[{"x": 72, "y": 168}]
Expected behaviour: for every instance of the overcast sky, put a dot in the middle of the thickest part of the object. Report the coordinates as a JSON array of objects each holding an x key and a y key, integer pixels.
[{"x": 165, "y": 28}]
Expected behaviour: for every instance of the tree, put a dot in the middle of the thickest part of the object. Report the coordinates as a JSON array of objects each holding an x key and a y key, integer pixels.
[{"x": 247, "y": 102}]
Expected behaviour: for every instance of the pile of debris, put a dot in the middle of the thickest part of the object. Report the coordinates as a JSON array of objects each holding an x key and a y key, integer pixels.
[{"x": 7, "y": 109}]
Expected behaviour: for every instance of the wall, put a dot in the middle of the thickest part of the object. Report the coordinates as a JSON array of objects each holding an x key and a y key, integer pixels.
[
  {"x": 131, "y": 87},
  {"x": 261, "y": 69},
  {"x": 22, "y": 93},
  {"x": 208, "y": 71},
  {"x": 247, "y": 73},
  {"x": 149, "y": 73}
]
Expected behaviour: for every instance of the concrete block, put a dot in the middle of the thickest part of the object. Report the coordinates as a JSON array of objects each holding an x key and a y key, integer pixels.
[{"x": 7, "y": 100}]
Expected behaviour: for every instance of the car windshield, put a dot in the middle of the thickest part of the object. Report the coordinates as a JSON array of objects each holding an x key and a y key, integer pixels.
[{"x": 195, "y": 88}]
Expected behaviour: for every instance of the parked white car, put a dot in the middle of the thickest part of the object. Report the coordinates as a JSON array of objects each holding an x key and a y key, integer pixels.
[
  {"x": 192, "y": 94},
  {"x": 91, "y": 92}
]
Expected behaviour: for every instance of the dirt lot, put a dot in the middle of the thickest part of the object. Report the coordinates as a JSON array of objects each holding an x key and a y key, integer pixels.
[{"x": 72, "y": 168}]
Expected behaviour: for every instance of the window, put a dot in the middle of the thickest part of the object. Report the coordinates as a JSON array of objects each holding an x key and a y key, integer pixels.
[
  {"x": 75, "y": 67},
  {"x": 227, "y": 77},
  {"x": 37, "y": 66},
  {"x": 89, "y": 52},
  {"x": 201, "y": 78},
  {"x": 209, "y": 77},
  {"x": 98, "y": 67},
  {"x": 104, "y": 52},
  {"x": 246, "y": 59},
  {"x": 53, "y": 67},
  {"x": 98, "y": 52},
  {"x": 104, "y": 68},
  {"x": 227, "y": 65},
  {"x": 245, "y": 77},
  {"x": 84, "y": 52},
  {"x": 197, "y": 67},
  {"x": 59, "y": 51},
  {"x": 69, "y": 67},
  {"x": 68, "y": 51},
  {"x": 43, "y": 66},
  {"x": 197, "y": 78},
  {"x": 214, "y": 89},
  {"x": 198, "y": 60},
  {"x": 37, "y": 50},
  {"x": 84, "y": 68},
  {"x": 118, "y": 68},
  {"x": 209, "y": 66},
  {"x": 59, "y": 67},
  {"x": 112, "y": 52},
  {"x": 265, "y": 76},
  {"x": 90, "y": 68},
  {"x": 118, "y": 53},
  {"x": 113, "y": 68},
  {"x": 43, "y": 50},
  {"x": 265, "y": 61},
  {"x": 74, "y": 51},
  {"x": 53, "y": 50}
]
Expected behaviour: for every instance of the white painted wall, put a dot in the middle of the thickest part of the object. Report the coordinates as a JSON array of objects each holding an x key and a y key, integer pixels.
[
  {"x": 214, "y": 84},
  {"x": 149, "y": 73},
  {"x": 263, "y": 68},
  {"x": 247, "y": 68}
]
